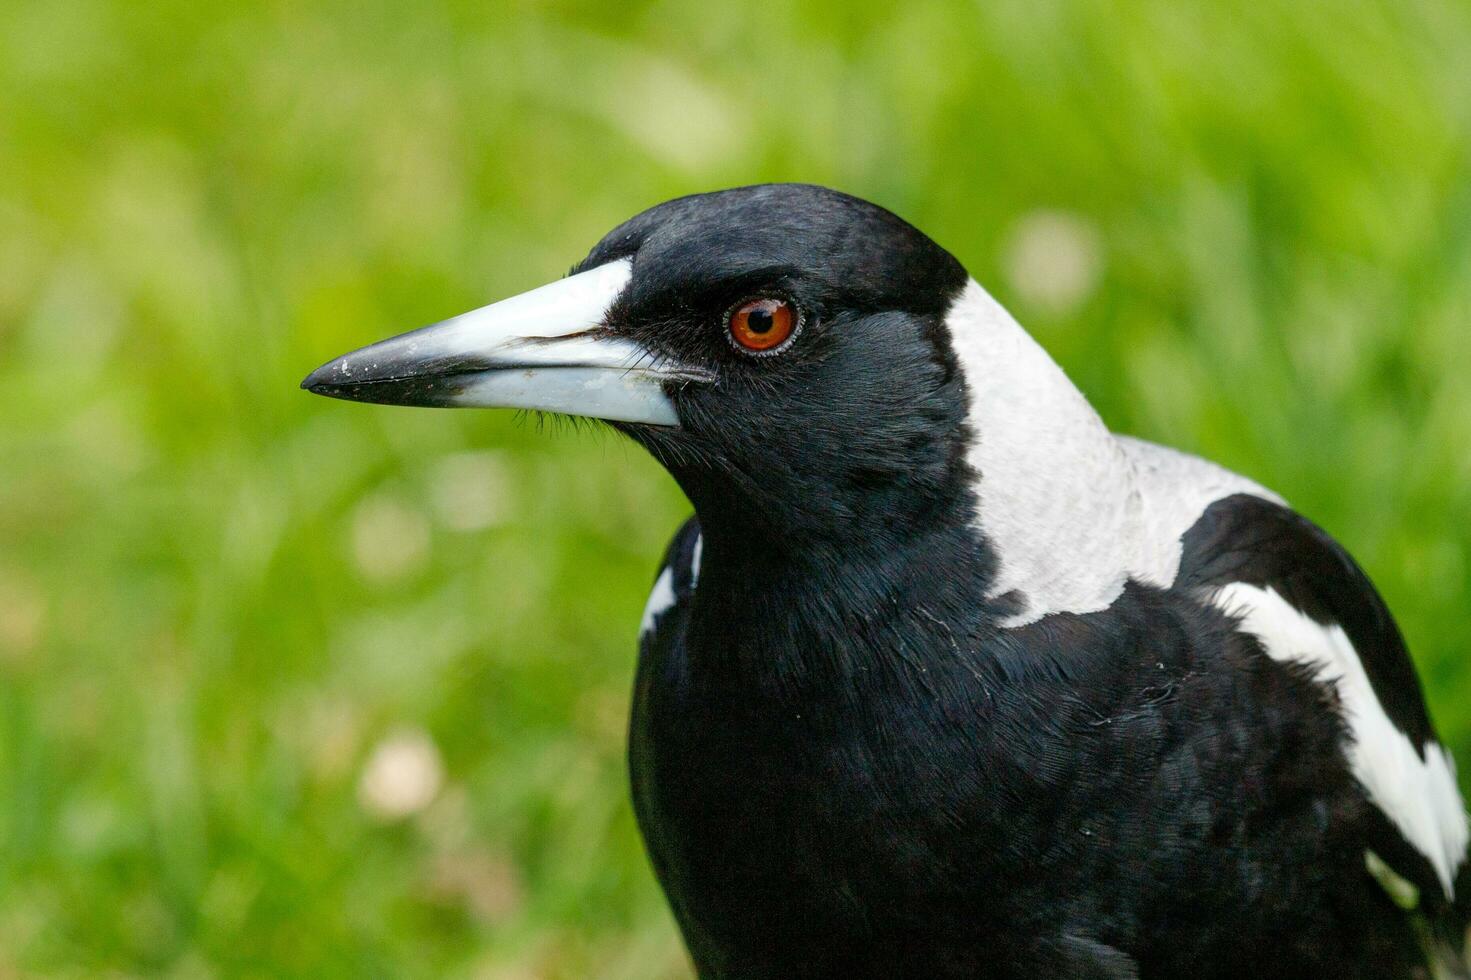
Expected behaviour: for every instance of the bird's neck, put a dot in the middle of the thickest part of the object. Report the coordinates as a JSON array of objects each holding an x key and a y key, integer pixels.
[
  {"x": 1025, "y": 504},
  {"x": 1057, "y": 496},
  {"x": 833, "y": 610}
]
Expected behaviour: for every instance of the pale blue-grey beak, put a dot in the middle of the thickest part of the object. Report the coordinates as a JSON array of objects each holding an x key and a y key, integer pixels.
[{"x": 547, "y": 349}]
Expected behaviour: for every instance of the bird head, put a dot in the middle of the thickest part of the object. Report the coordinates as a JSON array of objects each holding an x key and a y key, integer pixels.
[{"x": 780, "y": 349}]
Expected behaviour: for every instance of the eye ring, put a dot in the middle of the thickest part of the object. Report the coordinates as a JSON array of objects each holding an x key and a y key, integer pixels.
[{"x": 763, "y": 325}]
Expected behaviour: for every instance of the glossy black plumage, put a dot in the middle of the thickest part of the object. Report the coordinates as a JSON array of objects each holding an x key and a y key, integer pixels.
[
  {"x": 945, "y": 679},
  {"x": 1136, "y": 790},
  {"x": 844, "y": 766}
]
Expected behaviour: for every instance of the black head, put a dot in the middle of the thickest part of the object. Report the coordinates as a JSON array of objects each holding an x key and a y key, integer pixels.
[
  {"x": 850, "y": 423},
  {"x": 792, "y": 336}
]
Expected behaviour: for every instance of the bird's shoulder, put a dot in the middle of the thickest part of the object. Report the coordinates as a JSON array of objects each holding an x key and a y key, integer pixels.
[
  {"x": 1247, "y": 552},
  {"x": 1287, "y": 583}
]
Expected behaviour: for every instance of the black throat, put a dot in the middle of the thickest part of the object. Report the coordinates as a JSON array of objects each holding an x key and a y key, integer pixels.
[
  {"x": 778, "y": 731},
  {"x": 782, "y": 599}
]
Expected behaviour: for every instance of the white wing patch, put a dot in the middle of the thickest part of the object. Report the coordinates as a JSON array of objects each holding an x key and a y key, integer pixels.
[
  {"x": 1072, "y": 511},
  {"x": 1419, "y": 795},
  {"x": 662, "y": 598}
]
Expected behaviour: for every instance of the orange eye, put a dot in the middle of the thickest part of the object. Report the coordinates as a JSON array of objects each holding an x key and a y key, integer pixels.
[{"x": 762, "y": 325}]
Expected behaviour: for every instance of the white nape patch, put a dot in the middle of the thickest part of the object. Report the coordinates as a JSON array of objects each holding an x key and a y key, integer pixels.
[
  {"x": 1419, "y": 795},
  {"x": 661, "y": 600},
  {"x": 1072, "y": 511}
]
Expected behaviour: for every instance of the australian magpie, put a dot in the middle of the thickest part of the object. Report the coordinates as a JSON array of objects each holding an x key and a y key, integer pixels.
[{"x": 944, "y": 679}]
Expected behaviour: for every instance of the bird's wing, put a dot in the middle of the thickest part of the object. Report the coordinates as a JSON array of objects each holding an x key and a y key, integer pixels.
[
  {"x": 1300, "y": 593},
  {"x": 675, "y": 584},
  {"x": 662, "y": 669}
]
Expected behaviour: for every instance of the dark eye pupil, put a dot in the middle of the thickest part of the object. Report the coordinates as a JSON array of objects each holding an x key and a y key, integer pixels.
[{"x": 760, "y": 320}]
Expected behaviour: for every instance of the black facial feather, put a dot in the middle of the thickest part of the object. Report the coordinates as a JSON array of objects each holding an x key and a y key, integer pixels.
[
  {"x": 814, "y": 442},
  {"x": 844, "y": 766}
]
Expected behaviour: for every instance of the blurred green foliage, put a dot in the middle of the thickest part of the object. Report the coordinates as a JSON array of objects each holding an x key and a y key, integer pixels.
[{"x": 290, "y": 686}]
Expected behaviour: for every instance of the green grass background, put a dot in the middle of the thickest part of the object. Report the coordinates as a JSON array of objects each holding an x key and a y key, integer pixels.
[{"x": 219, "y": 596}]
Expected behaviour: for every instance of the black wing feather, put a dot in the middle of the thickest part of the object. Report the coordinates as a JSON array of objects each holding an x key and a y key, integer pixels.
[{"x": 1257, "y": 542}]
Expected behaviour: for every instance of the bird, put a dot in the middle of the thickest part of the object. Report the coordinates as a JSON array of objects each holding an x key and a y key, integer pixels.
[{"x": 943, "y": 678}]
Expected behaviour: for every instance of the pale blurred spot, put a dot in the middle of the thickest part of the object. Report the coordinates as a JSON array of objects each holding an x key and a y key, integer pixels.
[
  {"x": 53, "y": 41},
  {"x": 1448, "y": 424},
  {"x": 81, "y": 710},
  {"x": 673, "y": 113},
  {"x": 676, "y": 116},
  {"x": 229, "y": 897},
  {"x": 22, "y": 616},
  {"x": 163, "y": 242},
  {"x": 577, "y": 779},
  {"x": 1167, "y": 376},
  {"x": 402, "y": 776},
  {"x": 29, "y": 911},
  {"x": 1053, "y": 260},
  {"x": 74, "y": 324},
  {"x": 107, "y": 436},
  {"x": 91, "y": 826},
  {"x": 486, "y": 884},
  {"x": 23, "y": 260},
  {"x": 147, "y": 922},
  {"x": 193, "y": 965},
  {"x": 470, "y": 491},
  {"x": 646, "y": 955},
  {"x": 331, "y": 734},
  {"x": 417, "y": 186},
  {"x": 399, "y": 652},
  {"x": 1325, "y": 340},
  {"x": 253, "y": 527},
  {"x": 1438, "y": 564},
  {"x": 494, "y": 966},
  {"x": 335, "y": 451},
  {"x": 390, "y": 540},
  {"x": 603, "y": 714}
]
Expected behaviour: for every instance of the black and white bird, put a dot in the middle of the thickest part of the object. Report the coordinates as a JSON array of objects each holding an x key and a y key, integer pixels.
[{"x": 944, "y": 679}]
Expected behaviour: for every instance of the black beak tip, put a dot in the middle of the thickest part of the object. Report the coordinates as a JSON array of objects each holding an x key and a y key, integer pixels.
[
  {"x": 323, "y": 380},
  {"x": 341, "y": 378}
]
